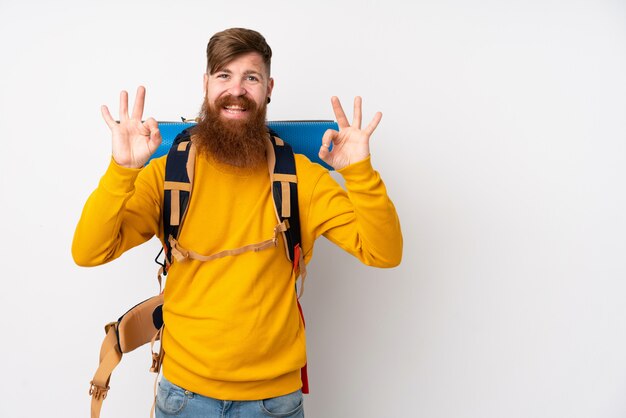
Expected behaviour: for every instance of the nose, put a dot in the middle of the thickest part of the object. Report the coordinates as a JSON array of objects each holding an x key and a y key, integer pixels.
[{"x": 237, "y": 89}]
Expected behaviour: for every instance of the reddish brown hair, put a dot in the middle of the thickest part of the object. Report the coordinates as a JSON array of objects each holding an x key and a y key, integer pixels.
[{"x": 226, "y": 45}]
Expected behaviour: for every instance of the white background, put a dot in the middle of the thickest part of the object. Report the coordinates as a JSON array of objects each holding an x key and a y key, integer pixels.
[{"x": 503, "y": 145}]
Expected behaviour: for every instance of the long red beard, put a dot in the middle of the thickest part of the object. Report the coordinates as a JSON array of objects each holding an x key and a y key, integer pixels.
[{"x": 240, "y": 143}]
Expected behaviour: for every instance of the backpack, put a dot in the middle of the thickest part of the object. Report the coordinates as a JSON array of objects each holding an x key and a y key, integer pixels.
[{"x": 143, "y": 323}]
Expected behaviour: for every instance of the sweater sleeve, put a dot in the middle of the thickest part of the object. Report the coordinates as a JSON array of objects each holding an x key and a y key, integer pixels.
[
  {"x": 123, "y": 212},
  {"x": 362, "y": 220}
]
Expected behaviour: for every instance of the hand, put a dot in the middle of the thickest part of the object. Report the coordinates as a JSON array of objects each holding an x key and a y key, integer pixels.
[
  {"x": 351, "y": 143},
  {"x": 134, "y": 141}
]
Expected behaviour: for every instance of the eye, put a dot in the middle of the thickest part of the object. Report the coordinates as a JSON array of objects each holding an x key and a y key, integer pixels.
[
  {"x": 223, "y": 76},
  {"x": 252, "y": 78}
]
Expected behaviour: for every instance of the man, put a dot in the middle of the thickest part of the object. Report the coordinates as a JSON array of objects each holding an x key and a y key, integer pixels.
[{"x": 234, "y": 339}]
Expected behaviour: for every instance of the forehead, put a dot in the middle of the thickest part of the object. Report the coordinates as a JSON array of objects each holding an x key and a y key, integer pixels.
[{"x": 248, "y": 62}]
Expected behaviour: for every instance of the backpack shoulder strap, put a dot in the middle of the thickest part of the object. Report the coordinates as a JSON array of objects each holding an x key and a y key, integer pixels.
[
  {"x": 179, "y": 168},
  {"x": 282, "y": 169}
]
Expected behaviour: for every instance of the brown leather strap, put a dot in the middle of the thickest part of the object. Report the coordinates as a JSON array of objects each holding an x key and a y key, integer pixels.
[
  {"x": 160, "y": 279},
  {"x": 177, "y": 185},
  {"x": 110, "y": 356},
  {"x": 152, "y": 410},
  {"x": 286, "y": 199},
  {"x": 157, "y": 360},
  {"x": 291, "y": 178},
  {"x": 182, "y": 254}
]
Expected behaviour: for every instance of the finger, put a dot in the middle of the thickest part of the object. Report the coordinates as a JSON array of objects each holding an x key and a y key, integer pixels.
[
  {"x": 155, "y": 135},
  {"x": 342, "y": 121},
  {"x": 323, "y": 153},
  {"x": 356, "y": 117},
  {"x": 327, "y": 139},
  {"x": 106, "y": 115},
  {"x": 151, "y": 124},
  {"x": 123, "y": 105},
  {"x": 374, "y": 123},
  {"x": 154, "y": 140},
  {"x": 139, "y": 102}
]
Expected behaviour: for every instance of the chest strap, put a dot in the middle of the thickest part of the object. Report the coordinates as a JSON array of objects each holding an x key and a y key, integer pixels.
[{"x": 181, "y": 254}]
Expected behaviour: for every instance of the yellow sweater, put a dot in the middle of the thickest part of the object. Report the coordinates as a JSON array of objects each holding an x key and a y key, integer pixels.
[{"x": 233, "y": 330}]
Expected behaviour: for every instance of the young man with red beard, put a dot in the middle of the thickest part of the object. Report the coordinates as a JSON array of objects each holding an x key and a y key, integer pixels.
[{"x": 234, "y": 339}]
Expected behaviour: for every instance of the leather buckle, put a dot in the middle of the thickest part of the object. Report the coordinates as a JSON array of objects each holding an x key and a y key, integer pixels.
[{"x": 98, "y": 392}]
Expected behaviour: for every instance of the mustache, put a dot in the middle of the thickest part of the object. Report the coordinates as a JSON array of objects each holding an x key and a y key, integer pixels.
[{"x": 241, "y": 101}]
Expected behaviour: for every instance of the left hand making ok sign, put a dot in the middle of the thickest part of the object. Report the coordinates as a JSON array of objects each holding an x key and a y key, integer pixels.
[{"x": 351, "y": 143}]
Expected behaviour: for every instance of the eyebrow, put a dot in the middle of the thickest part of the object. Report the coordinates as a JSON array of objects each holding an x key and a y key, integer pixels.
[
  {"x": 252, "y": 72},
  {"x": 248, "y": 72}
]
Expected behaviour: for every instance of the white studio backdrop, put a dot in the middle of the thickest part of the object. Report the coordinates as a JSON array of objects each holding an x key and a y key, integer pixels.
[{"x": 503, "y": 146}]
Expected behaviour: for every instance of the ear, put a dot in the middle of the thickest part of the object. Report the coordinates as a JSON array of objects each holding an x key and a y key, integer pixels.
[
  {"x": 270, "y": 86},
  {"x": 206, "y": 83}
]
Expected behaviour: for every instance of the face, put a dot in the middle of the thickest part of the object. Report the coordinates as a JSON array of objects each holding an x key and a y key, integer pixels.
[{"x": 245, "y": 77}]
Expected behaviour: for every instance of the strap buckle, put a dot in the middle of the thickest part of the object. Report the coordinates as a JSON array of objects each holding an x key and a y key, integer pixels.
[
  {"x": 156, "y": 363},
  {"x": 98, "y": 392}
]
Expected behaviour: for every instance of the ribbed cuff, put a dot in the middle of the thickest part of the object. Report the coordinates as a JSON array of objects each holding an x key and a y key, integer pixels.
[
  {"x": 360, "y": 174},
  {"x": 118, "y": 179}
]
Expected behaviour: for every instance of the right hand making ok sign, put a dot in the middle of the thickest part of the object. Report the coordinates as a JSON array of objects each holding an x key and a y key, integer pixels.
[{"x": 134, "y": 141}]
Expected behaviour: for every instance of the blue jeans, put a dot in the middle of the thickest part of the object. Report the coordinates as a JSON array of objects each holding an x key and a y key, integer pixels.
[{"x": 175, "y": 401}]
